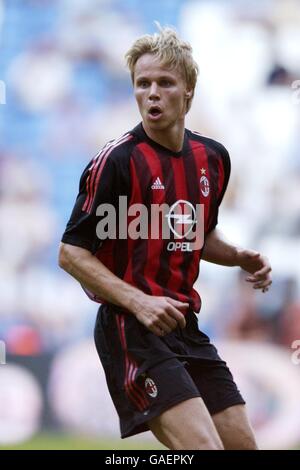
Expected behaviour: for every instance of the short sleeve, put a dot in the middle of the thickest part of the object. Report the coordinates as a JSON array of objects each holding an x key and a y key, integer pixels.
[
  {"x": 102, "y": 182},
  {"x": 224, "y": 169}
]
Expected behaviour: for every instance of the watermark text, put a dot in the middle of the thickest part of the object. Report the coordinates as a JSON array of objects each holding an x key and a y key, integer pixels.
[
  {"x": 2, "y": 353},
  {"x": 2, "y": 92},
  {"x": 296, "y": 94},
  {"x": 295, "y": 358},
  {"x": 182, "y": 223}
]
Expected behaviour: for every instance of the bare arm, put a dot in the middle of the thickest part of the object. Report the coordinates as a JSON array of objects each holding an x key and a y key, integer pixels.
[
  {"x": 218, "y": 250},
  {"x": 159, "y": 314}
]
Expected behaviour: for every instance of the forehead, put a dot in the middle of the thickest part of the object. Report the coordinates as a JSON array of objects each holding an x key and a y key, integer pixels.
[{"x": 148, "y": 65}]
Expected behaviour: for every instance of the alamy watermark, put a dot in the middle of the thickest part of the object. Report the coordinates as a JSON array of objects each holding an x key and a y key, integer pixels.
[
  {"x": 2, "y": 92},
  {"x": 182, "y": 223},
  {"x": 2, "y": 353},
  {"x": 296, "y": 94},
  {"x": 295, "y": 357}
]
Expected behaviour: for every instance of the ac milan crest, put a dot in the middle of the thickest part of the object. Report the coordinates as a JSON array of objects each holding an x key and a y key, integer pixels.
[
  {"x": 150, "y": 387},
  {"x": 204, "y": 186}
]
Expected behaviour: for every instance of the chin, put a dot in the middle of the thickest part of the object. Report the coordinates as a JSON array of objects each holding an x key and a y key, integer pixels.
[{"x": 158, "y": 125}]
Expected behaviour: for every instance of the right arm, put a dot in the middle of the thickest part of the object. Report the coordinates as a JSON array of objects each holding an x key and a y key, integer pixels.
[{"x": 159, "y": 314}]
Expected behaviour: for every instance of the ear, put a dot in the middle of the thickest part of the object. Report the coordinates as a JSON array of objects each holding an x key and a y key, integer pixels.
[{"x": 189, "y": 94}]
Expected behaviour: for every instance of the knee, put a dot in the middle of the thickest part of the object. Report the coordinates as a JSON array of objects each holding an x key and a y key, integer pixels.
[
  {"x": 248, "y": 444},
  {"x": 210, "y": 445},
  {"x": 209, "y": 442},
  {"x": 243, "y": 443}
]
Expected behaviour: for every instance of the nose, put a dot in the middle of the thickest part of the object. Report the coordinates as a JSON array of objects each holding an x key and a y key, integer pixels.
[{"x": 154, "y": 92}]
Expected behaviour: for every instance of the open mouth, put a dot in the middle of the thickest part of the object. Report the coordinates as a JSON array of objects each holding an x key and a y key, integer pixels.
[{"x": 155, "y": 112}]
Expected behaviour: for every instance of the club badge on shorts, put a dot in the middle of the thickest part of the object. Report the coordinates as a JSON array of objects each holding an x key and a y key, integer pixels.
[{"x": 151, "y": 388}]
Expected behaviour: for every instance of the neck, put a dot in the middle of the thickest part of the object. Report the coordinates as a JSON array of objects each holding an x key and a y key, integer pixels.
[{"x": 171, "y": 138}]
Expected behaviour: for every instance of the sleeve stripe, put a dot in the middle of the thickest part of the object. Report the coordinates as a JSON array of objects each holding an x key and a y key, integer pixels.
[
  {"x": 97, "y": 168},
  {"x": 91, "y": 173}
]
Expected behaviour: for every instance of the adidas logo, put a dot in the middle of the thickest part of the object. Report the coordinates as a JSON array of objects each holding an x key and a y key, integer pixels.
[{"x": 157, "y": 184}]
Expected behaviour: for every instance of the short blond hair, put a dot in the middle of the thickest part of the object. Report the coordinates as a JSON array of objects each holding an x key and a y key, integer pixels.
[{"x": 172, "y": 52}]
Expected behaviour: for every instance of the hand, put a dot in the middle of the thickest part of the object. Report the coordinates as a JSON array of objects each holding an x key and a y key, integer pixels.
[
  {"x": 257, "y": 265},
  {"x": 161, "y": 315}
]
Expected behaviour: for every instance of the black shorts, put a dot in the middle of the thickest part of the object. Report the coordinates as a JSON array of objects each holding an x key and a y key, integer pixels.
[{"x": 147, "y": 374}]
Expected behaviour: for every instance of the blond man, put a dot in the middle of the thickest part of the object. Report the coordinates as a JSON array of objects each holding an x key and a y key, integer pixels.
[{"x": 163, "y": 374}]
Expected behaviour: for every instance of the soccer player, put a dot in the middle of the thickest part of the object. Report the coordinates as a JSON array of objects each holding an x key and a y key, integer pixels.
[{"x": 163, "y": 374}]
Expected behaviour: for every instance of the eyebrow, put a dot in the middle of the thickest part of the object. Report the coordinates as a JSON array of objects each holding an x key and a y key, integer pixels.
[{"x": 161, "y": 77}]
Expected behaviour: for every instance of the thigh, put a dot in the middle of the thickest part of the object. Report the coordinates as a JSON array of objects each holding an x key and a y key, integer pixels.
[
  {"x": 144, "y": 377},
  {"x": 209, "y": 372},
  {"x": 186, "y": 426},
  {"x": 215, "y": 383},
  {"x": 234, "y": 428}
]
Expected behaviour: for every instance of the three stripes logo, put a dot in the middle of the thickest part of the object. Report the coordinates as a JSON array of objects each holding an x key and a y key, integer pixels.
[{"x": 157, "y": 184}]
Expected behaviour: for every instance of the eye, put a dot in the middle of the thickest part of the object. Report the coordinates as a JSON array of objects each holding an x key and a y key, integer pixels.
[
  {"x": 143, "y": 84},
  {"x": 165, "y": 83}
]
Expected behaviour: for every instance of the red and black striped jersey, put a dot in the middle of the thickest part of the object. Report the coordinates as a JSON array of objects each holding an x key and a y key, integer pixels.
[{"x": 141, "y": 170}]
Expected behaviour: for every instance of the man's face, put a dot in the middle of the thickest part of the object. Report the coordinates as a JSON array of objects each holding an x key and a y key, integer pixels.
[{"x": 161, "y": 93}]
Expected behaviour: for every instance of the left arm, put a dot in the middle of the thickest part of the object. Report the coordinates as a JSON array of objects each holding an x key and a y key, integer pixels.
[{"x": 218, "y": 250}]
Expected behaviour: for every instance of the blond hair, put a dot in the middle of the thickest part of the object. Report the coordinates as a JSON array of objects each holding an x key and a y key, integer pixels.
[{"x": 171, "y": 51}]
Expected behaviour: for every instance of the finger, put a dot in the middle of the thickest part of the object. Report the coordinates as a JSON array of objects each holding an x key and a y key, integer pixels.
[
  {"x": 177, "y": 315},
  {"x": 262, "y": 285},
  {"x": 252, "y": 254},
  {"x": 157, "y": 330},
  {"x": 254, "y": 279},
  {"x": 177, "y": 303},
  {"x": 251, "y": 279},
  {"x": 169, "y": 321},
  {"x": 262, "y": 272},
  {"x": 164, "y": 327},
  {"x": 258, "y": 278},
  {"x": 259, "y": 275}
]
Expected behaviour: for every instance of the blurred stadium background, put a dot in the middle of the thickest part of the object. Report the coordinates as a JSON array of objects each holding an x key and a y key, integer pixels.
[{"x": 64, "y": 92}]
